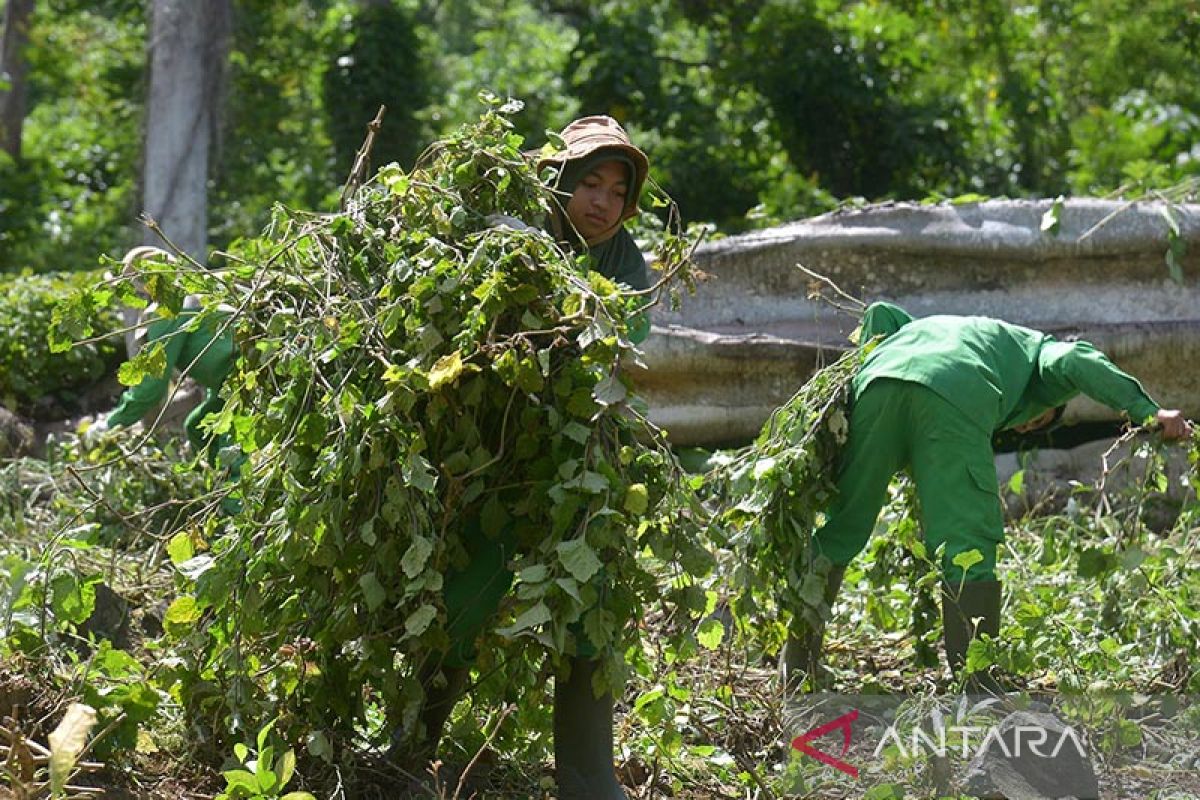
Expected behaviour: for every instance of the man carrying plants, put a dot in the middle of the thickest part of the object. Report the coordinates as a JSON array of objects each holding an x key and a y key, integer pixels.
[{"x": 928, "y": 398}]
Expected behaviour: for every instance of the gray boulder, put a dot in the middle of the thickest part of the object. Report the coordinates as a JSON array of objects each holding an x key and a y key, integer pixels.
[{"x": 1032, "y": 756}]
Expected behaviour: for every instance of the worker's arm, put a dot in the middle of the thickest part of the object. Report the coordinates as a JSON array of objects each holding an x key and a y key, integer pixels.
[
  {"x": 1083, "y": 368},
  {"x": 137, "y": 400}
]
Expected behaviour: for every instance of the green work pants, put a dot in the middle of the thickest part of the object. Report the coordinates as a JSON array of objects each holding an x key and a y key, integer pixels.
[
  {"x": 473, "y": 594},
  {"x": 896, "y": 425}
]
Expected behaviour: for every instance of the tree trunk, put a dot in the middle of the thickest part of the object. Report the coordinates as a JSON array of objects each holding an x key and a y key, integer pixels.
[
  {"x": 13, "y": 68},
  {"x": 188, "y": 48}
]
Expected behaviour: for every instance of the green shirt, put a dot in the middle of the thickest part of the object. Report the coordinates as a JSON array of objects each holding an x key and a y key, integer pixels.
[
  {"x": 185, "y": 349},
  {"x": 1000, "y": 375}
]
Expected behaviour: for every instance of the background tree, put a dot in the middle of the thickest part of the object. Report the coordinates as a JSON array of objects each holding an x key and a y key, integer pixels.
[
  {"x": 187, "y": 52},
  {"x": 378, "y": 61},
  {"x": 73, "y": 196},
  {"x": 790, "y": 107},
  {"x": 13, "y": 66}
]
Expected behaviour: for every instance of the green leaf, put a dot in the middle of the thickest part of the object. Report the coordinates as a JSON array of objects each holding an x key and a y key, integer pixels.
[
  {"x": 417, "y": 555},
  {"x": 609, "y": 391},
  {"x": 535, "y": 574},
  {"x": 445, "y": 371},
  {"x": 373, "y": 591},
  {"x": 419, "y": 621},
  {"x": 1016, "y": 484},
  {"x": 1130, "y": 733},
  {"x": 637, "y": 499},
  {"x": 979, "y": 656},
  {"x": 180, "y": 548},
  {"x": 240, "y": 779},
  {"x": 1095, "y": 561},
  {"x": 181, "y": 615},
  {"x": 529, "y": 376},
  {"x": 576, "y": 432},
  {"x": 591, "y": 482},
  {"x": 73, "y": 598},
  {"x": 579, "y": 559},
  {"x": 1053, "y": 216},
  {"x": 710, "y": 633},
  {"x": 318, "y": 746},
  {"x": 268, "y": 781},
  {"x": 965, "y": 561},
  {"x": 150, "y": 361},
  {"x": 538, "y": 615}
]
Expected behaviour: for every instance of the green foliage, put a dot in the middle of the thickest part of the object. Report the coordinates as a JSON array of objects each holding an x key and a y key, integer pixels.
[
  {"x": 259, "y": 775},
  {"x": 844, "y": 108},
  {"x": 101, "y": 495},
  {"x": 518, "y": 49},
  {"x": 34, "y": 380},
  {"x": 70, "y": 523},
  {"x": 777, "y": 490},
  {"x": 790, "y": 106},
  {"x": 407, "y": 369},
  {"x": 72, "y": 194},
  {"x": 274, "y": 144}
]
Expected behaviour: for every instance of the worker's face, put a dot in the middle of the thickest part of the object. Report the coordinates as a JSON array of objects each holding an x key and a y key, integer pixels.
[
  {"x": 1038, "y": 422},
  {"x": 598, "y": 201}
]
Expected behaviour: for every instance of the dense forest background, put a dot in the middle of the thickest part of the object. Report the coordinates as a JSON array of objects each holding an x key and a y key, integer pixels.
[{"x": 753, "y": 112}]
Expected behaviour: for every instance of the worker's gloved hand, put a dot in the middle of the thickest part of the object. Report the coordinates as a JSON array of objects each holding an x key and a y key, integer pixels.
[
  {"x": 1174, "y": 425},
  {"x": 505, "y": 221}
]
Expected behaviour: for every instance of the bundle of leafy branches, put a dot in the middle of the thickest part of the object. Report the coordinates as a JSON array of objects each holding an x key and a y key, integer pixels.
[
  {"x": 408, "y": 369},
  {"x": 775, "y": 493}
]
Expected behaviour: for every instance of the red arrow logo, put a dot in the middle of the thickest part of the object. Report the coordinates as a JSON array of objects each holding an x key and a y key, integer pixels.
[{"x": 801, "y": 742}]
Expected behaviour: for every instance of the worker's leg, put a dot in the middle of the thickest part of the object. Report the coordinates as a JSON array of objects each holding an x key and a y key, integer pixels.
[
  {"x": 876, "y": 449},
  {"x": 583, "y": 736},
  {"x": 583, "y": 721},
  {"x": 955, "y": 474}
]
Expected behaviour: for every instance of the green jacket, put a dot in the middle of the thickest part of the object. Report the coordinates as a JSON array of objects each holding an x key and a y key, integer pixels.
[
  {"x": 999, "y": 375},
  {"x": 185, "y": 348}
]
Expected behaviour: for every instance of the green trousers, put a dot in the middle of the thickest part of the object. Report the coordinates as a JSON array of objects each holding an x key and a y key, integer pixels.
[
  {"x": 473, "y": 594},
  {"x": 896, "y": 425}
]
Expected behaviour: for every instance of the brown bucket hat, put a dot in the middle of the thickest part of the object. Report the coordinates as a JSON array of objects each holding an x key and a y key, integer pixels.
[{"x": 593, "y": 137}]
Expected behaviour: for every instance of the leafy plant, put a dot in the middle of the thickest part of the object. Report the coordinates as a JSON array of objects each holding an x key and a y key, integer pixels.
[
  {"x": 777, "y": 491},
  {"x": 259, "y": 774}
]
